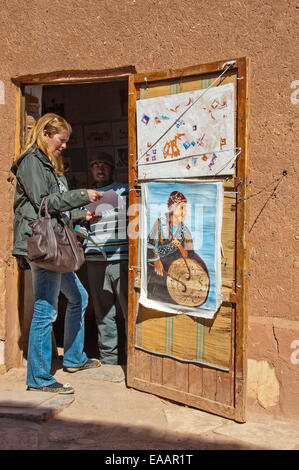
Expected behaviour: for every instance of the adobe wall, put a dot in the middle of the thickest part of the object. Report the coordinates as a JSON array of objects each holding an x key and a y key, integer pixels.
[{"x": 162, "y": 34}]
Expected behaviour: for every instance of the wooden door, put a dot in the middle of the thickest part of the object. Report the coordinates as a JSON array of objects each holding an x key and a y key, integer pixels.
[{"x": 217, "y": 382}]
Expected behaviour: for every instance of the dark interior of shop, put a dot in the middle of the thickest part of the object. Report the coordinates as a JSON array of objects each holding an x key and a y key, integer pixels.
[{"x": 98, "y": 114}]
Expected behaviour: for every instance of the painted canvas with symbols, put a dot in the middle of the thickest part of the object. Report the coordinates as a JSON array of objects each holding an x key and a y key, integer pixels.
[{"x": 186, "y": 134}]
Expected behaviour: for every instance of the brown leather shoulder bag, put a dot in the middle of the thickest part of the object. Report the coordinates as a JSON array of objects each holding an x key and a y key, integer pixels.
[{"x": 58, "y": 251}]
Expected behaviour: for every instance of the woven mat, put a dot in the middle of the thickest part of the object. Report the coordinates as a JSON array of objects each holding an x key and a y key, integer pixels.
[{"x": 184, "y": 337}]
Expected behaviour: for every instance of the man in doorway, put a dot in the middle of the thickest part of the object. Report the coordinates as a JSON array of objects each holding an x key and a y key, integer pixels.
[{"x": 107, "y": 262}]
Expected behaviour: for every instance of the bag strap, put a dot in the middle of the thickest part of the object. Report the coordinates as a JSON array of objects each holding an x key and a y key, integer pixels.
[
  {"x": 88, "y": 237},
  {"x": 39, "y": 213},
  {"x": 43, "y": 201}
]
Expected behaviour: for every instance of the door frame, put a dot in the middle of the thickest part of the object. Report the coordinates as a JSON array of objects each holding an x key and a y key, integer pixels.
[
  {"x": 238, "y": 296},
  {"x": 13, "y": 350}
]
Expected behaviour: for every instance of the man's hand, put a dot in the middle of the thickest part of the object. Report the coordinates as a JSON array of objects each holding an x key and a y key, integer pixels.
[{"x": 178, "y": 245}]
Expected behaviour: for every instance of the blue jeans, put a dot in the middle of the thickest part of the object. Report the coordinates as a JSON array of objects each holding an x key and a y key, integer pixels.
[{"x": 46, "y": 288}]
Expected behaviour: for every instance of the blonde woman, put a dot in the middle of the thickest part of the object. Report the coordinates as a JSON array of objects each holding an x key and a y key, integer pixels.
[{"x": 39, "y": 173}]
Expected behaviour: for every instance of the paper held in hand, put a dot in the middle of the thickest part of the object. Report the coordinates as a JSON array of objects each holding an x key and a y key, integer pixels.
[{"x": 109, "y": 200}]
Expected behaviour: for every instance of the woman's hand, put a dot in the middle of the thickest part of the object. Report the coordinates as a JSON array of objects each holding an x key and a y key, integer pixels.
[
  {"x": 91, "y": 217},
  {"x": 178, "y": 245},
  {"x": 175, "y": 242},
  {"x": 94, "y": 195},
  {"x": 158, "y": 266}
]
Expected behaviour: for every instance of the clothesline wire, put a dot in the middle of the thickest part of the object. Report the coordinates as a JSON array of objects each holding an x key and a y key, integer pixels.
[
  {"x": 271, "y": 195},
  {"x": 183, "y": 113},
  {"x": 232, "y": 160},
  {"x": 219, "y": 171},
  {"x": 278, "y": 180},
  {"x": 191, "y": 156}
]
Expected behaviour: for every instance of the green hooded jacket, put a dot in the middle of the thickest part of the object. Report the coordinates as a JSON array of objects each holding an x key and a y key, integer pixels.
[{"x": 36, "y": 178}]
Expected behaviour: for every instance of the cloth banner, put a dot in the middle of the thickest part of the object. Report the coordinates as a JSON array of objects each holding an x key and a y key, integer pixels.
[
  {"x": 188, "y": 134},
  {"x": 180, "y": 247}
]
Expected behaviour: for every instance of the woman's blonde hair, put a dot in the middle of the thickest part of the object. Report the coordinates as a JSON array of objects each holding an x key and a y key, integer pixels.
[{"x": 50, "y": 124}]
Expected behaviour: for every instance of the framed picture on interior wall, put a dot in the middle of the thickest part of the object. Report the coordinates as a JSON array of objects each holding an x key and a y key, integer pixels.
[
  {"x": 76, "y": 137},
  {"x": 123, "y": 95},
  {"x": 76, "y": 180},
  {"x": 120, "y": 133},
  {"x": 121, "y": 176},
  {"x": 95, "y": 153},
  {"x": 121, "y": 158},
  {"x": 98, "y": 134},
  {"x": 66, "y": 163},
  {"x": 75, "y": 159}
]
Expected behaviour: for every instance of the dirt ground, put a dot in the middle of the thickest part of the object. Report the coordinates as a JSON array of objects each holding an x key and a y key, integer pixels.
[{"x": 104, "y": 414}]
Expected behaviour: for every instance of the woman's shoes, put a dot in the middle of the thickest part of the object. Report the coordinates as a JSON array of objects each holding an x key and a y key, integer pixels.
[
  {"x": 89, "y": 364},
  {"x": 66, "y": 389},
  {"x": 56, "y": 387}
]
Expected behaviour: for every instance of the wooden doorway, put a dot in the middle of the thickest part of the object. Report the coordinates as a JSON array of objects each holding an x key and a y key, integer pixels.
[
  {"x": 219, "y": 390},
  {"x": 218, "y": 387},
  {"x": 96, "y": 104}
]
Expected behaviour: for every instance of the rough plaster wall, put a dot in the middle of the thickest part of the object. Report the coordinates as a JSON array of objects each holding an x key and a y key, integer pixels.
[
  {"x": 38, "y": 36},
  {"x": 273, "y": 381}
]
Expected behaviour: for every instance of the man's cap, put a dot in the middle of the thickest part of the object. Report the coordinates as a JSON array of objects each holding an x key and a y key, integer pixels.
[{"x": 102, "y": 157}]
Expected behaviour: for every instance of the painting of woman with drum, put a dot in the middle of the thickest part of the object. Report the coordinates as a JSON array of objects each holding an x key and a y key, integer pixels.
[
  {"x": 175, "y": 272},
  {"x": 182, "y": 247}
]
